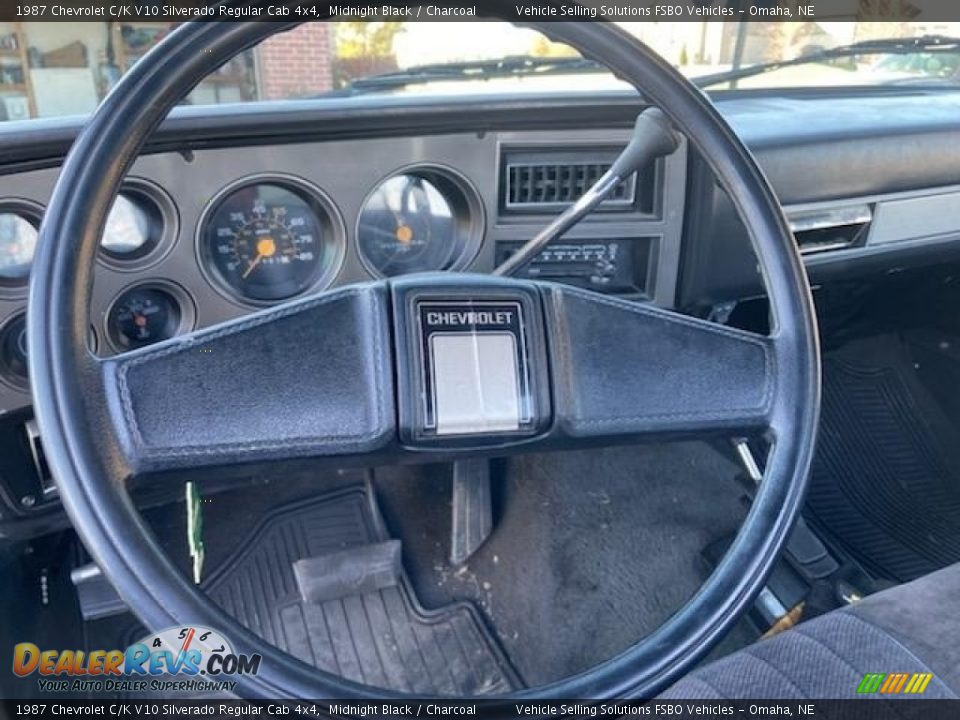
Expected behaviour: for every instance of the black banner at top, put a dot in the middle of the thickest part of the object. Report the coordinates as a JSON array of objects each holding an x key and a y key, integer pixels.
[
  {"x": 934, "y": 11},
  {"x": 155, "y": 708}
]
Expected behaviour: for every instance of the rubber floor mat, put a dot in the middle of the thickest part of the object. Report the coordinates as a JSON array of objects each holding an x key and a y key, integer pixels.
[
  {"x": 885, "y": 479},
  {"x": 382, "y": 638}
]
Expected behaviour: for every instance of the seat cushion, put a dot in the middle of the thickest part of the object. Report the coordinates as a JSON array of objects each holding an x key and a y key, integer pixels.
[{"x": 913, "y": 628}]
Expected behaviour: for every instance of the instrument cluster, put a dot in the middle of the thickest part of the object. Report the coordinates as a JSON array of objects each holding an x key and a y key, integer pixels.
[
  {"x": 269, "y": 238},
  {"x": 259, "y": 241}
]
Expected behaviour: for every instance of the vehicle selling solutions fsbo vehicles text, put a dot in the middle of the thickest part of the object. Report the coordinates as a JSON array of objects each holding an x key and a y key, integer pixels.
[
  {"x": 625, "y": 10},
  {"x": 679, "y": 12}
]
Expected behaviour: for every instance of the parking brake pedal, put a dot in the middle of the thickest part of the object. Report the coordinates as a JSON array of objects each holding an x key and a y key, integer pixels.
[
  {"x": 355, "y": 571},
  {"x": 472, "y": 520}
]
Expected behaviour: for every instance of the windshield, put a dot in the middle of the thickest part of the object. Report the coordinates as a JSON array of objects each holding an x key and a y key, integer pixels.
[{"x": 50, "y": 69}]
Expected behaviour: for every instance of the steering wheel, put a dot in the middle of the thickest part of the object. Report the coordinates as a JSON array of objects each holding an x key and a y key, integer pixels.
[{"x": 598, "y": 370}]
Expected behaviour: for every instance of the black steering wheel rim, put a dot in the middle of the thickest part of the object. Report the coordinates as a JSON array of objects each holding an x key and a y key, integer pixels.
[{"x": 77, "y": 432}]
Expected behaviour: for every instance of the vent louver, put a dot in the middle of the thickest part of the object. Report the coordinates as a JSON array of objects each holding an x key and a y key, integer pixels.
[{"x": 534, "y": 186}]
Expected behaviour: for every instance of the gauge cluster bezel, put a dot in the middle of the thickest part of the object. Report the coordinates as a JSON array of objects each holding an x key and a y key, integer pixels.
[
  {"x": 325, "y": 211},
  {"x": 164, "y": 228},
  {"x": 457, "y": 190}
]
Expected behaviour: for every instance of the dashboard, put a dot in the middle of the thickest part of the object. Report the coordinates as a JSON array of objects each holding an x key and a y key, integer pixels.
[
  {"x": 234, "y": 209},
  {"x": 196, "y": 238}
]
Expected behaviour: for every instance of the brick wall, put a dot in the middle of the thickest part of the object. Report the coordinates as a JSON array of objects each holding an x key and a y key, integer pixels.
[{"x": 296, "y": 63}]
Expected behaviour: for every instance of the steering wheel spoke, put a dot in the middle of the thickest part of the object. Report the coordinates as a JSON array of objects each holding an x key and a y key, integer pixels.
[
  {"x": 308, "y": 378},
  {"x": 315, "y": 378},
  {"x": 625, "y": 369}
]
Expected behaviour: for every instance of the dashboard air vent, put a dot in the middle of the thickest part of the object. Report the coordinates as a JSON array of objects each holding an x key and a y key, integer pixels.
[
  {"x": 825, "y": 229},
  {"x": 548, "y": 185},
  {"x": 546, "y": 180}
]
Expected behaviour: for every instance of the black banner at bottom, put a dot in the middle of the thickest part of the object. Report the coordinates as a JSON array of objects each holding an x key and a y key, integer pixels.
[{"x": 873, "y": 708}]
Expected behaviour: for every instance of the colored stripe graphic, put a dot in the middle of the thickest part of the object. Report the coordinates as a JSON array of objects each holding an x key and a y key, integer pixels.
[
  {"x": 871, "y": 682},
  {"x": 919, "y": 681},
  {"x": 894, "y": 683}
]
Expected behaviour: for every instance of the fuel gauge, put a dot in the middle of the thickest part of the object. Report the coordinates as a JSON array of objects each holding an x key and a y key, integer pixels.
[
  {"x": 147, "y": 314},
  {"x": 426, "y": 219}
]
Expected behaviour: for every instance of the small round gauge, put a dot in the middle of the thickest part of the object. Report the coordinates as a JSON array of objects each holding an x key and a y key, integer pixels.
[
  {"x": 146, "y": 314},
  {"x": 129, "y": 231},
  {"x": 13, "y": 352},
  {"x": 418, "y": 221},
  {"x": 18, "y": 241},
  {"x": 141, "y": 227},
  {"x": 268, "y": 241}
]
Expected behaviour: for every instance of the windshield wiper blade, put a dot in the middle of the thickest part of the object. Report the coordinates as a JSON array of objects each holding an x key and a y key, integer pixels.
[
  {"x": 506, "y": 67},
  {"x": 890, "y": 46}
]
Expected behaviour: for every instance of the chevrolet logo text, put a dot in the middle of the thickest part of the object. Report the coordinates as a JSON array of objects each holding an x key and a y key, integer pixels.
[{"x": 470, "y": 317}]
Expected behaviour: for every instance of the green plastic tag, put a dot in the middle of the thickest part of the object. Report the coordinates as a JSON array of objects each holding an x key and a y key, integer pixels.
[{"x": 195, "y": 530}]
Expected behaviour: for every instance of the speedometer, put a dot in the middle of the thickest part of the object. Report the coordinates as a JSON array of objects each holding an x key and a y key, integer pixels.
[{"x": 270, "y": 239}]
